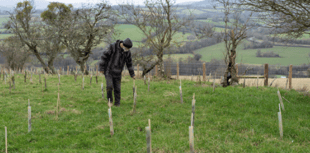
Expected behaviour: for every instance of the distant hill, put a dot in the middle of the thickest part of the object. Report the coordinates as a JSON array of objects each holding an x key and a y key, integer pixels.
[{"x": 200, "y": 3}]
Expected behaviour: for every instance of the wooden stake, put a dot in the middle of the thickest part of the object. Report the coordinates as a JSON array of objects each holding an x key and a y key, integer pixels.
[
  {"x": 133, "y": 88},
  {"x": 91, "y": 77},
  {"x": 178, "y": 71},
  {"x": 148, "y": 139},
  {"x": 111, "y": 121},
  {"x": 68, "y": 70},
  {"x": 83, "y": 84},
  {"x": 45, "y": 82},
  {"x": 144, "y": 78},
  {"x": 6, "y": 139},
  {"x": 193, "y": 110},
  {"x": 280, "y": 125},
  {"x": 204, "y": 72},
  {"x": 58, "y": 79},
  {"x": 257, "y": 83},
  {"x": 290, "y": 77},
  {"x": 266, "y": 75},
  {"x": 40, "y": 77},
  {"x": 280, "y": 99},
  {"x": 191, "y": 139},
  {"x": 214, "y": 84},
  {"x": 149, "y": 84},
  {"x": 181, "y": 96},
  {"x": 134, "y": 102},
  {"x": 102, "y": 91},
  {"x": 29, "y": 116},
  {"x": 138, "y": 70}
]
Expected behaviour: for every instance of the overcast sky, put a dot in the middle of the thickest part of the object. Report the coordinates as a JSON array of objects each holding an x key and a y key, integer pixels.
[{"x": 114, "y": 2}]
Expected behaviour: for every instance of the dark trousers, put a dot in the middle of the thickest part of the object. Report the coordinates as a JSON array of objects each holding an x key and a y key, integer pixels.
[{"x": 113, "y": 82}]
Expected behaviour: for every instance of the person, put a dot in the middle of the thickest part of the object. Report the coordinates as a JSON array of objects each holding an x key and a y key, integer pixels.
[{"x": 112, "y": 64}]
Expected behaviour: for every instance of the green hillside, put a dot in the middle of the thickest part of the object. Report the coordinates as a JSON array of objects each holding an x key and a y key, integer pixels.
[
  {"x": 289, "y": 55},
  {"x": 232, "y": 119}
]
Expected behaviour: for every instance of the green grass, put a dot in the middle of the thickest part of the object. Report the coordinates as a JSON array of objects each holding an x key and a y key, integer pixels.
[
  {"x": 176, "y": 57},
  {"x": 3, "y": 19},
  {"x": 3, "y": 36},
  {"x": 193, "y": 11},
  {"x": 304, "y": 36},
  {"x": 224, "y": 119},
  {"x": 290, "y": 55}
]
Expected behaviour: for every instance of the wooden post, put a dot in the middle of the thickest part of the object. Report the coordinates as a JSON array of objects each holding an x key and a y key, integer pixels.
[
  {"x": 181, "y": 96},
  {"x": 96, "y": 70},
  {"x": 138, "y": 70},
  {"x": 40, "y": 77},
  {"x": 91, "y": 77},
  {"x": 25, "y": 76},
  {"x": 133, "y": 88},
  {"x": 193, "y": 110},
  {"x": 29, "y": 116},
  {"x": 280, "y": 99},
  {"x": 149, "y": 84},
  {"x": 13, "y": 80},
  {"x": 102, "y": 91},
  {"x": 257, "y": 83},
  {"x": 214, "y": 83},
  {"x": 178, "y": 71},
  {"x": 191, "y": 139},
  {"x": 280, "y": 123},
  {"x": 6, "y": 139},
  {"x": 204, "y": 72},
  {"x": 111, "y": 121},
  {"x": 83, "y": 84},
  {"x": 58, "y": 103},
  {"x": 156, "y": 70},
  {"x": 45, "y": 82},
  {"x": 237, "y": 71},
  {"x": 68, "y": 70},
  {"x": 148, "y": 139},
  {"x": 134, "y": 101},
  {"x": 266, "y": 75},
  {"x": 290, "y": 77},
  {"x": 58, "y": 78}
]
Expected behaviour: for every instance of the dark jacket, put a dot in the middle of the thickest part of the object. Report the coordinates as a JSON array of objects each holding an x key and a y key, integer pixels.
[{"x": 113, "y": 60}]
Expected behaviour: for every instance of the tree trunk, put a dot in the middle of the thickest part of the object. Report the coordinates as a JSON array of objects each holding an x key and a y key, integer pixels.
[
  {"x": 231, "y": 69},
  {"x": 160, "y": 64},
  {"x": 50, "y": 64},
  {"x": 82, "y": 66},
  {"x": 40, "y": 59}
]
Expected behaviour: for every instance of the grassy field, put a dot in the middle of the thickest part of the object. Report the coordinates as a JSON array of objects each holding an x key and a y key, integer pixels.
[
  {"x": 3, "y": 36},
  {"x": 230, "y": 119},
  {"x": 290, "y": 55}
]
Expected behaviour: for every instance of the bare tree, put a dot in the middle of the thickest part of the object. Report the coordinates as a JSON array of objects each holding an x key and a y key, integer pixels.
[
  {"x": 159, "y": 23},
  {"x": 232, "y": 35},
  {"x": 15, "y": 53},
  {"x": 85, "y": 28},
  {"x": 56, "y": 12},
  {"x": 27, "y": 27},
  {"x": 284, "y": 16}
]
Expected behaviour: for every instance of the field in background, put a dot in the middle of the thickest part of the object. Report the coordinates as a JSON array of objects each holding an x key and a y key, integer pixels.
[
  {"x": 289, "y": 55},
  {"x": 230, "y": 119}
]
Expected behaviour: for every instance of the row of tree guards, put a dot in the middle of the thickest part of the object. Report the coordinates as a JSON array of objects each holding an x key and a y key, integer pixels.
[{"x": 148, "y": 128}]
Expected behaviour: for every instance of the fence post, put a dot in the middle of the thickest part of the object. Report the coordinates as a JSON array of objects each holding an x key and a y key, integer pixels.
[
  {"x": 266, "y": 75},
  {"x": 67, "y": 70},
  {"x": 138, "y": 71},
  {"x": 237, "y": 70},
  {"x": 204, "y": 72},
  {"x": 156, "y": 70},
  {"x": 96, "y": 70},
  {"x": 178, "y": 71},
  {"x": 290, "y": 77}
]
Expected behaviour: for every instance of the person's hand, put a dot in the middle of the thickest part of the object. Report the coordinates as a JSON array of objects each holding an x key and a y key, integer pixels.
[
  {"x": 134, "y": 77},
  {"x": 101, "y": 72}
]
